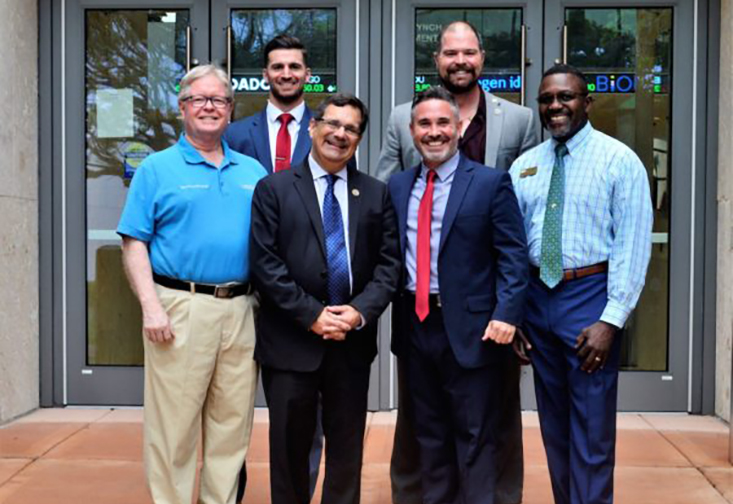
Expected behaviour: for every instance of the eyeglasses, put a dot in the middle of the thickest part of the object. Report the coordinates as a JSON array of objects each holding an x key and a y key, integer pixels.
[
  {"x": 334, "y": 125},
  {"x": 219, "y": 102},
  {"x": 565, "y": 97}
]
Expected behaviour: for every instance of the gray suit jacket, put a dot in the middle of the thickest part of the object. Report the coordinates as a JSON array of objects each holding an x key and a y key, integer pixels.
[{"x": 510, "y": 131}]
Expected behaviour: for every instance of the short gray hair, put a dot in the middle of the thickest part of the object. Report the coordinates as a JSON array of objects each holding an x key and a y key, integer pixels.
[
  {"x": 200, "y": 71},
  {"x": 435, "y": 93}
]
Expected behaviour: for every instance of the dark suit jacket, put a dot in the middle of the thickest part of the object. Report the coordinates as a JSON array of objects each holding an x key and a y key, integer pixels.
[
  {"x": 250, "y": 137},
  {"x": 482, "y": 262},
  {"x": 289, "y": 269}
]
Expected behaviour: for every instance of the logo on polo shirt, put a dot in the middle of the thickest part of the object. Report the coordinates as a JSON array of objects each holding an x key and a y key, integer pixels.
[{"x": 194, "y": 186}]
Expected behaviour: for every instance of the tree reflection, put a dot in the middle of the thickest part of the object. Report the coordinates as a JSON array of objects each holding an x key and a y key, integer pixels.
[{"x": 143, "y": 51}]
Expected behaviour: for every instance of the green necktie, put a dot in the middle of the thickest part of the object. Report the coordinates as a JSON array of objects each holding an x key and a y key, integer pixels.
[{"x": 551, "y": 258}]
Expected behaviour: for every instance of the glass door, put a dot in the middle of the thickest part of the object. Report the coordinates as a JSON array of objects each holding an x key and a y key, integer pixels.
[
  {"x": 641, "y": 82},
  {"x": 512, "y": 39},
  {"x": 124, "y": 62},
  {"x": 123, "y": 69}
]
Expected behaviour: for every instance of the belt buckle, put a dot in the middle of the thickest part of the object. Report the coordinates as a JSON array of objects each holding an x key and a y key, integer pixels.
[{"x": 223, "y": 291}]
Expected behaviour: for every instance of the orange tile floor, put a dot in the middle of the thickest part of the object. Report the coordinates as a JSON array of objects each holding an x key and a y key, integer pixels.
[{"x": 79, "y": 456}]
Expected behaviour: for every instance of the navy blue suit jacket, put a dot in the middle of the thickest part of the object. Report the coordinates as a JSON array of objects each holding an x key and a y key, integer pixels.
[
  {"x": 482, "y": 263},
  {"x": 251, "y": 137}
]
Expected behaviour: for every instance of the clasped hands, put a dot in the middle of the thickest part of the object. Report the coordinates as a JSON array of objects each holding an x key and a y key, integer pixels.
[{"x": 335, "y": 321}]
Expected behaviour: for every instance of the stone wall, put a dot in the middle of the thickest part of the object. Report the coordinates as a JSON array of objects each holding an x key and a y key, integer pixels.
[
  {"x": 724, "y": 321},
  {"x": 19, "y": 325}
]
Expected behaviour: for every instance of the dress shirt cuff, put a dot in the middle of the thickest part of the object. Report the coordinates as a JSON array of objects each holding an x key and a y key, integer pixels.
[
  {"x": 361, "y": 324},
  {"x": 615, "y": 314}
]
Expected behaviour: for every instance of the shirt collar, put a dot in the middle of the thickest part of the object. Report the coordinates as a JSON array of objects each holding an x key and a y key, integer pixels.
[
  {"x": 192, "y": 156},
  {"x": 577, "y": 140},
  {"x": 445, "y": 170},
  {"x": 273, "y": 112},
  {"x": 319, "y": 172}
]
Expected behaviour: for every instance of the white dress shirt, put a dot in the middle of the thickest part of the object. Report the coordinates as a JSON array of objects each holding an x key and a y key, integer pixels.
[{"x": 273, "y": 126}]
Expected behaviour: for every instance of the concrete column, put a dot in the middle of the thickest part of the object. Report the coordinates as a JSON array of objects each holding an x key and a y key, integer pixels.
[{"x": 19, "y": 327}]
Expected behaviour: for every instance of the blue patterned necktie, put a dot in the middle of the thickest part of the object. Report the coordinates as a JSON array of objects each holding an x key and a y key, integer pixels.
[
  {"x": 338, "y": 267},
  {"x": 551, "y": 254}
]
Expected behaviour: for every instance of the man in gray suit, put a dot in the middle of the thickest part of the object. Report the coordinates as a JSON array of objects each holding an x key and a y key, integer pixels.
[{"x": 494, "y": 132}]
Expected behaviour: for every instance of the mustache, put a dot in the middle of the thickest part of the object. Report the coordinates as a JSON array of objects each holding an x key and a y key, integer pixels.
[
  {"x": 461, "y": 67},
  {"x": 433, "y": 138}
]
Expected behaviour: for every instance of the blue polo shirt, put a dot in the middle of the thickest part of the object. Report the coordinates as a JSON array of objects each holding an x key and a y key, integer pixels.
[{"x": 194, "y": 216}]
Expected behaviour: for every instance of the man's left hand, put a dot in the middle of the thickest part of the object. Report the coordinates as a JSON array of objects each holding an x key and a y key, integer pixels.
[
  {"x": 347, "y": 314},
  {"x": 593, "y": 345},
  {"x": 499, "y": 332}
]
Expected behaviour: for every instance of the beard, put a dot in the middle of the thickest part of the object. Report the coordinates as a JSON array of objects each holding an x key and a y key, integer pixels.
[
  {"x": 287, "y": 99},
  {"x": 457, "y": 89}
]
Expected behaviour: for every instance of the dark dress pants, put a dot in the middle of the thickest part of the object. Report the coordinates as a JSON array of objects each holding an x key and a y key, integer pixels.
[
  {"x": 456, "y": 414},
  {"x": 292, "y": 399},
  {"x": 405, "y": 464},
  {"x": 577, "y": 410},
  {"x": 314, "y": 460}
]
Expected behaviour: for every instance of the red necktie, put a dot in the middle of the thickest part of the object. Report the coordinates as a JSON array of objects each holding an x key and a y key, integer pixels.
[
  {"x": 424, "y": 221},
  {"x": 282, "y": 147}
]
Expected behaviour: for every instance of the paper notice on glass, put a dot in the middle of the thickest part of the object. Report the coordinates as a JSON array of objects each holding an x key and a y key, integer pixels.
[{"x": 114, "y": 113}]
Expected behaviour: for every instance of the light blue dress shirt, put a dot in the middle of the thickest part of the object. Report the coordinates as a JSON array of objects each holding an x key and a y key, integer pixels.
[
  {"x": 607, "y": 212},
  {"x": 441, "y": 190}
]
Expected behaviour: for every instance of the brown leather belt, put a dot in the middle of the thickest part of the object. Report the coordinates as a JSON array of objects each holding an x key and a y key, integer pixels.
[
  {"x": 226, "y": 291},
  {"x": 575, "y": 273}
]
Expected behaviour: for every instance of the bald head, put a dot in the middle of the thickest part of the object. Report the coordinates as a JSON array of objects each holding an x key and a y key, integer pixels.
[{"x": 459, "y": 26}]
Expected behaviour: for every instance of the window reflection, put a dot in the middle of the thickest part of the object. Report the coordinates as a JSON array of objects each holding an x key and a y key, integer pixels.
[
  {"x": 627, "y": 56},
  {"x": 134, "y": 61},
  {"x": 252, "y": 29},
  {"x": 501, "y": 30}
]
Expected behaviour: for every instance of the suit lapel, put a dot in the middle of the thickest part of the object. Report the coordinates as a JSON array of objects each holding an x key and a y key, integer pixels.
[
  {"x": 401, "y": 203},
  {"x": 494, "y": 125},
  {"x": 461, "y": 181},
  {"x": 303, "y": 143},
  {"x": 261, "y": 141},
  {"x": 354, "y": 197},
  {"x": 306, "y": 188}
]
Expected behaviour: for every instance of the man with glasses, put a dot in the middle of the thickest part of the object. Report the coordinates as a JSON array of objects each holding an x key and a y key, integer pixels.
[
  {"x": 325, "y": 260},
  {"x": 185, "y": 231},
  {"x": 588, "y": 216},
  {"x": 492, "y": 132}
]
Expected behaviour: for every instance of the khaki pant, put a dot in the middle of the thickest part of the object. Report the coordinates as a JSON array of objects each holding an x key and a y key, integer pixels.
[{"x": 204, "y": 381}]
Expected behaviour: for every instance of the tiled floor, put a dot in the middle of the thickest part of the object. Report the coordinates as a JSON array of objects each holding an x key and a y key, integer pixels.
[{"x": 78, "y": 456}]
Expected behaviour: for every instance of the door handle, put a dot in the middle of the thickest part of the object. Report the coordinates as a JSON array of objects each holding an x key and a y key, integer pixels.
[
  {"x": 229, "y": 52},
  {"x": 188, "y": 48},
  {"x": 523, "y": 65},
  {"x": 190, "y": 62},
  {"x": 564, "y": 44}
]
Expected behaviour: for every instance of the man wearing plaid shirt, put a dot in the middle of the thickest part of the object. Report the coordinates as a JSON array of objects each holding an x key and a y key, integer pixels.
[{"x": 588, "y": 217}]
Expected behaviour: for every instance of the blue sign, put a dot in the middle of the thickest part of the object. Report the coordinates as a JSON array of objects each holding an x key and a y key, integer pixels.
[
  {"x": 603, "y": 83},
  {"x": 493, "y": 83}
]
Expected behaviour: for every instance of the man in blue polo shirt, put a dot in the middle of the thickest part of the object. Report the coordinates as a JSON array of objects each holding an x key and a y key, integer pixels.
[{"x": 185, "y": 230}]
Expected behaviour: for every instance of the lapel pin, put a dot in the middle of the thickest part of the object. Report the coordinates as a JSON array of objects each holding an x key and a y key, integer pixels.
[{"x": 355, "y": 192}]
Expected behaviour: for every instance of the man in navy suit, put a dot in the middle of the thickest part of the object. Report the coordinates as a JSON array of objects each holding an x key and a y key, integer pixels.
[
  {"x": 282, "y": 125},
  {"x": 461, "y": 298},
  {"x": 278, "y": 135}
]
